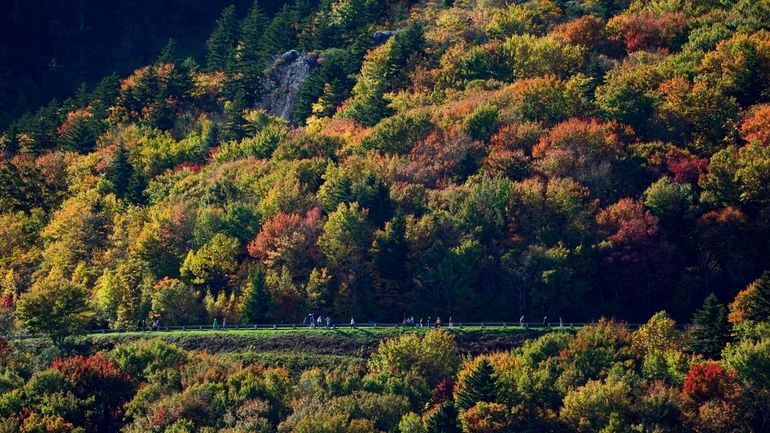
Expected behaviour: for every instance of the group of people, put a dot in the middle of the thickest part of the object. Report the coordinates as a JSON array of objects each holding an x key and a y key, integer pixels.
[
  {"x": 545, "y": 322},
  {"x": 317, "y": 320},
  {"x": 410, "y": 321},
  {"x": 314, "y": 320}
]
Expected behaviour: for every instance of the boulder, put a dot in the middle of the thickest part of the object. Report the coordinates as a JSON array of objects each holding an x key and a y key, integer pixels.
[{"x": 381, "y": 36}]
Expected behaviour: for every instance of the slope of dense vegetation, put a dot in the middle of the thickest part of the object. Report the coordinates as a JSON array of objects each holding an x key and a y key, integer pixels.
[
  {"x": 604, "y": 378},
  {"x": 571, "y": 159}
]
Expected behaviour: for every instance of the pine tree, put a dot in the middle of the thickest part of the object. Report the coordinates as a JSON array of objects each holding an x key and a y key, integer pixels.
[
  {"x": 280, "y": 35},
  {"x": 80, "y": 136},
  {"x": 710, "y": 328},
  {"x": 441, "y": 419},
  {"x": 758, "y": 299},
  {"x": 477, "y": 386},
  {"x": 136, "y": 186},
  {"x": 167, "y": 53},
  {"x": 120, "y": 172},
  {"x": 256, "y": 302},
  {"x": 389, "y": 250},
  {"x": 232, "y": 130},
  {"x": 221, "y": 43},
  {"x": 249, "y": 55}
]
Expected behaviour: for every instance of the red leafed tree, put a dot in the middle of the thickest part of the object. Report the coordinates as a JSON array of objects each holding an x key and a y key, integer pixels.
[
  {"x": 588, "y": 31},
  {"x": 648, "y": 30},
  {"x": 582, "y": 149},
  {"x": 756, "y": 127},
  {"x": 684, "y": 166},
  {"x": 711, "y": 381},
  {"x": 288, "y": 240},
  {"x": 517, "y": 136},
  {"x": 712, "y": 397},
  {"x": 638, "y": 262},
  {"x": 100, "y": 384},
  {"x": 511, "y": 146},
  {"x": 442, "y": 158}
]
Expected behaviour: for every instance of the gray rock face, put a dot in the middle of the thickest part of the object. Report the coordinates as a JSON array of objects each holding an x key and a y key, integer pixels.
[
  {"x": 381, "y": 36},
  {"x": 283, "y": 81}
]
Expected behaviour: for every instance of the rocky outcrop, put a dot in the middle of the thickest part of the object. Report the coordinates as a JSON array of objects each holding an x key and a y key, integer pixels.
[
  {"x": 283, "y": 81},
  {"x": 381, "y": 36}
]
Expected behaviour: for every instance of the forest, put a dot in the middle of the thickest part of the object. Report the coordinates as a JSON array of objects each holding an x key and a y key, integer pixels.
[
  {"x": 600, "y": 161},
  {"x": 484, "y": 161}
]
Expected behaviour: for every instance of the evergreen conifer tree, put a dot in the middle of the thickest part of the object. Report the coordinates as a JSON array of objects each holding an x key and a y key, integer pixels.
[
  {"x": 168, "y": 52},
  {"x": 256, "y": 300},
  {"x": 232, "y": 129},
  {"x": 442, "y": 419},
  {"x": 221, "y": 43},
  {"x": 120, "y": 172},
  {"x": 478, "y": 386},
  {"x": 759, "y": 299},
  {"x": 710, "y": 328},
  {"x": 280, "y": 35},
  {"x": 249, "y": 54}
]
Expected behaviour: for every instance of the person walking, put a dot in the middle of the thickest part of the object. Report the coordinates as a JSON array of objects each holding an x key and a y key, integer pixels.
[
  {"x": 451, "y": 322},
  {"x": 521, "y": 321},
  {"x": 561, "y": 323},
  {"x": 328, "y": 322},
  {"x": 420, "y": 322},
  {"x": 214, "y": 325},
  {"x": 438, "y": 322},
  {"x": 352, "y": 322},
  {"x": 545, "y": 319}
]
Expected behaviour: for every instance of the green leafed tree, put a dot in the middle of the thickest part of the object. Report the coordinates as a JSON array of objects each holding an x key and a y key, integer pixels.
[
  {"x": 175, "y": 303},
  {"x": 58, "y": 309},
  {"x": 441, "y": 419},
  {"x": 213, "y": 265},
  {"x": 380, "y": 74},
  {"x": 120, "y": 172}
]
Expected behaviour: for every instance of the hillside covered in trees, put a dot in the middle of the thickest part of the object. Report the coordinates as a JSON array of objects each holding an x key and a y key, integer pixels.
[
  {"x": 479, "y": 159},
  {"x": 605, "y": 161}
]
